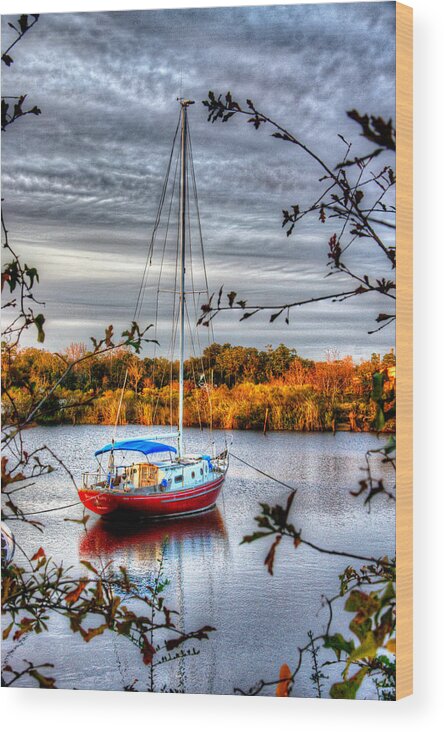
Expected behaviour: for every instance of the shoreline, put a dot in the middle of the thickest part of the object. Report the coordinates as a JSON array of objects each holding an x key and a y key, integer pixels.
[{"x": 55, "y": 425}]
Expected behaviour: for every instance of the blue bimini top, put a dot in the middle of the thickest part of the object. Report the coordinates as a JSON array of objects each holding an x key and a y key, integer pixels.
[{"x": 138, "y": 444}]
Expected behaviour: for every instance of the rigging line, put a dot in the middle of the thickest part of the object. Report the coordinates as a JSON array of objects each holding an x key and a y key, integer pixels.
[
  {"x": 196, "y": 201},
  {"x": 189, "y": 243},
  {"x": 192, "y": 365},
  {"x": 196, "y": 315},
  {"x": 167, "y": 363},
  {"x": 156, "y": 317},
  {"x": 206, "y": 385},
  {"x": 167, "y": 228},
  {"x": 156, "y": 225},
  {"x": 175, "y": 326},
  {"x": 197, "y": 354},
  {"x": 193, "y": 289},
  {"x": 171, "y": 392},
  {"x": 120, "y": 405},
  {"x": 175, "y": 321},
  {"x": 262, "y": 472},
  {"x": 150, "y": 255},
  {"x": 191, "y": 267}
]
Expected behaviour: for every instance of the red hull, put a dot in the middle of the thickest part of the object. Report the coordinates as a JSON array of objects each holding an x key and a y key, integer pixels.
[{"x": 156, "y": 504}]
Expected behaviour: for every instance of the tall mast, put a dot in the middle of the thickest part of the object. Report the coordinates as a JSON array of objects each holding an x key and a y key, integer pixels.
[{"x": 185, "y": 103}]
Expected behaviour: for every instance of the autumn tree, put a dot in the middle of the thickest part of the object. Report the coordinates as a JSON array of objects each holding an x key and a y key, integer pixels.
[{"x": 136, "y": 372}]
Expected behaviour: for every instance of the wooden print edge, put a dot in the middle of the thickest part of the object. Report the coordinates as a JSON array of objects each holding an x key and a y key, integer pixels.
[{"x": 404, "y": 350}]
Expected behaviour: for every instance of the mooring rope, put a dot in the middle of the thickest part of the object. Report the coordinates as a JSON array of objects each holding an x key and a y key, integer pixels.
[
  {"x": 262, "y": 472},
  {"x": 45, "y": 510}
]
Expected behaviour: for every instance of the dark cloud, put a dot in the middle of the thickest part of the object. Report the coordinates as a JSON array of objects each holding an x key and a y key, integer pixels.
[{"x": 82, "y": 182}]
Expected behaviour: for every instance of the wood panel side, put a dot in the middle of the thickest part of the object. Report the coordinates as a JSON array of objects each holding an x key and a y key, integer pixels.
[{"x": 404, "y": 349}]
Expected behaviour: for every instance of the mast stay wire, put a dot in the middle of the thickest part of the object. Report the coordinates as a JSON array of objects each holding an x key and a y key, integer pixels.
[
  {"x": 199, "y": 224},
  {"x": 156, "y": 317},
  {"x": 196, "y": 314},
  {"x": 120, "y": 406},
  {"x": 148, "y": 259},
  {"x": 175, "y": 321},
  {"x": 164, "y": 246},
  {"x": 192, "y": 363}
]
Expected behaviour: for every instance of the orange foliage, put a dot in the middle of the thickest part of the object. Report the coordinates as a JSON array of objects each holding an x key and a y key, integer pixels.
[{"x": 283, "y": 687}]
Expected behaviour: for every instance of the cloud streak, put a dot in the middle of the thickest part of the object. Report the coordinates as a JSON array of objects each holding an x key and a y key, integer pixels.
[{"x": 82, "y": 182}]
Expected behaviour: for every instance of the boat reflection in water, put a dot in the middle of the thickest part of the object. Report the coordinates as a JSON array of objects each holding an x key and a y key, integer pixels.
[
  {"x": 138, "y": 542},
  {"x": 195, "y": 550}
]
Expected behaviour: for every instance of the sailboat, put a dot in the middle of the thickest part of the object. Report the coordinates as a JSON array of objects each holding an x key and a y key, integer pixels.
[{"x": 145, "y": 474}]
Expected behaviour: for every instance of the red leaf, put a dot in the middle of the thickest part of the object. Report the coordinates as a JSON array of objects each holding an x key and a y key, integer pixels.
[
  {"x": 269, "y": 559},
  {"x": 148, "y": 652},
  {"x": 74, "y": 595},
  {"x": 40, "y": 554}
]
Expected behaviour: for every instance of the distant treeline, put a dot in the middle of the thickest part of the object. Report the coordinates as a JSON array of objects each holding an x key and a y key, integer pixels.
[{"x": 234, "y": 387}]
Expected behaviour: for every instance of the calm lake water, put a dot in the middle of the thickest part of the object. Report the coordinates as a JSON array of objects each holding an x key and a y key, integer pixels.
[{"x": 260, "y": 620}]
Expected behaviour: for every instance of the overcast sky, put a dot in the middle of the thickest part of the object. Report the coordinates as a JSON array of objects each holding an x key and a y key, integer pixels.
[{"x": 82, "y": 182}]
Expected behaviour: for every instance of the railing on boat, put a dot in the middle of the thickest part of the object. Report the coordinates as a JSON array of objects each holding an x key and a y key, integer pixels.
[
  {"x": 122, "y": 477},
  {"x": 94, "y": 477}
]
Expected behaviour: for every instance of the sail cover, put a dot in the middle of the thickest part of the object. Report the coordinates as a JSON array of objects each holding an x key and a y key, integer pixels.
[{"x": 138, "y": 445}]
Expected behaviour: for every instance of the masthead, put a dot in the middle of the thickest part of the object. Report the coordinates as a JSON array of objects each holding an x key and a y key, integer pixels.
[{"x": 185, "y": 102}]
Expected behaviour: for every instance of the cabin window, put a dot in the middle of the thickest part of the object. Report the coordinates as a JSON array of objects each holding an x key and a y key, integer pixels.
[
  {"x": 178, "y": 479},
  {"x": 201, "y": 471},
  {"x": 193, "y": 474}
]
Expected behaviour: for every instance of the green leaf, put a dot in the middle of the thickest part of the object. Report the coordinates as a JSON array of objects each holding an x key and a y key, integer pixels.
[
  {"x": 379, "y": 419},
  {"x": 338, "y": 644},
  {"x": 32, "y": 274},
  {"x": 360, "y": 602},
  {"x": 367, "y": 649},
  {"x": 360, "y": 626},
  {"x": 7, "y": 630},
  {"x": 39, "y": 320},
  {"x": 378, "y": 379},
  {"x": 348, "y": 689},
  {"x": 45, "y": 682},
  {"x": 389, "y": 594},
  {"x": 390, "y": 445}
]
